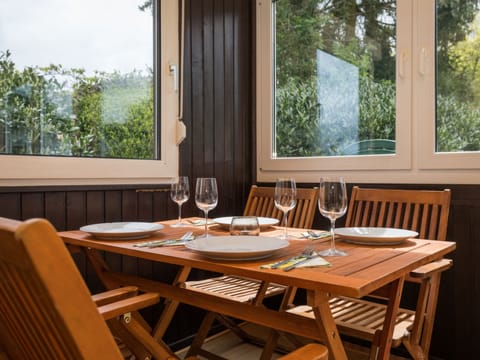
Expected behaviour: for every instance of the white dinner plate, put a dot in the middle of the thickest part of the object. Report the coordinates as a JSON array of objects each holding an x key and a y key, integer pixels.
[
  {"x": 375, "y": 235},
  {"x": 122, "y": 230},
  {"x": 236, "y": 247},
  {"x": 264, "y": 222}
]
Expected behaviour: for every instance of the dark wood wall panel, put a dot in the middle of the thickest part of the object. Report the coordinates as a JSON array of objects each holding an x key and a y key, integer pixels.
[
  {"x": 218, "y": 100},
  {"x": 218, "y": 113}
]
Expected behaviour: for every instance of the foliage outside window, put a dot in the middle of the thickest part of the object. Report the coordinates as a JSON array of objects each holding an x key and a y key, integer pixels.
[
  {"x": 335, "y": 77},
  {"x": 458, "y": 76},
  {"x": 55, "y": 109}
]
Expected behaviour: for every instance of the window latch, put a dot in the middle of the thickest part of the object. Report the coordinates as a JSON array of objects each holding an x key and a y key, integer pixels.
[{"x": 174, "y": 72}]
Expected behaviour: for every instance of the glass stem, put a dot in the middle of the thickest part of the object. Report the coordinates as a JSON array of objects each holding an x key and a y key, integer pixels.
[
  {"x": 179, "y": 213},
  {"x": 206, "y": 221},
  {"x": 285, "y": 221},
  {"x": 332, "y": 232}
]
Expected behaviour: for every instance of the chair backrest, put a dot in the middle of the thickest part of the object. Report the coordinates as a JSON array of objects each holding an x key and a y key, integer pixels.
[
  {"x": 261, "y": 202},
  {"x": 46, "y": 311},
  {"x": 424, "y": 211}
]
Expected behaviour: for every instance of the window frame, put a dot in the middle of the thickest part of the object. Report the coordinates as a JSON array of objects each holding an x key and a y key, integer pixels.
[
  {"x": 425, "y": 43},
  {"x": 19, "y": 170},
  {"x": 415, "y": 160}
]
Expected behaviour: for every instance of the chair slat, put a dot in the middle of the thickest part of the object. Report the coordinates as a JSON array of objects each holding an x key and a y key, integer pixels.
[{"x": 261, "y": 202}]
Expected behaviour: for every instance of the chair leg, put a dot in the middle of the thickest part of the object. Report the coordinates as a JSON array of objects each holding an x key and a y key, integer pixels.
[
  {"x": 415, "y": 351},
  {"x": 374, "y": 346},
  {"x": 270, "y": 345},
  {"x": 430, "y": 314},
  {"x": 201, "y": 334},
  {"x": 158, "y": 348},
  {"x": 130, "y": 341}
]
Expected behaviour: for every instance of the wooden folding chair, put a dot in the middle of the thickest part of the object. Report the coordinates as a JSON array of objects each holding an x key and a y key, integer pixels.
[
  {"x": 420, "y": 210},
  {"x": 46, "y": 310},
  {"x": 260, "y": 202}
]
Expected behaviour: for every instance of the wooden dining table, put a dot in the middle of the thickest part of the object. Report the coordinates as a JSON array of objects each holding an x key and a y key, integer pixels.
[{"x": 364, "y": 270}]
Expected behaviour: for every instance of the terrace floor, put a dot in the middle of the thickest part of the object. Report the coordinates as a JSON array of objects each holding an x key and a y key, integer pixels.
[{"x": 229, "y": 346}]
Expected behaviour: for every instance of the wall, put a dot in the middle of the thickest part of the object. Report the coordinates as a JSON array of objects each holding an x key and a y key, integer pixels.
[{"x": 219, "y": 99}]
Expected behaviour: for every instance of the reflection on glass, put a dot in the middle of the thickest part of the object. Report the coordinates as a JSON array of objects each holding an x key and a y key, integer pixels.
[{"x": 335, "y": 78}]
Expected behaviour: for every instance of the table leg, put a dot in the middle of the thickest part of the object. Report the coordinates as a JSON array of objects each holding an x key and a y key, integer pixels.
[
  {"x": 326, "y": 324},
  {"x": 385, "y": 336},
  {"x": 170, "y": 305}
]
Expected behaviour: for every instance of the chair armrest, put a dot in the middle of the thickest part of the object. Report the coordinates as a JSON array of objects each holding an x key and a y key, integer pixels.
[
  {"x": 110, "y": 296},
  {"x": 312, "y": 351},
  {"x": 112, "y": 310},
  {"x": 431, "y": 268}
]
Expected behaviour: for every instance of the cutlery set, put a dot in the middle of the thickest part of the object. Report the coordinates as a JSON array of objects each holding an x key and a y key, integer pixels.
[
  {"x": 294, "y": 261},
  {"x": 171, "y": 242}
]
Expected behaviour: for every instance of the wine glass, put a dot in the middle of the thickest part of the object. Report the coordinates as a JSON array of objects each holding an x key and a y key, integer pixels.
[
  {"x": 285, "y": 199},
  {"x": 206, "y": 197},
  {"x": 180, "y": 193},
  {"x": 332, "y": 203}
]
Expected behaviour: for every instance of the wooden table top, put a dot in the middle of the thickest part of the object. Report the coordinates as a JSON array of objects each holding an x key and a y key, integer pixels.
[{"x": 363, "y": 270}]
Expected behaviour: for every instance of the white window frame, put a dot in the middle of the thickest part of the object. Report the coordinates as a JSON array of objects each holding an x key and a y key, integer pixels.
[
  {"x": 45, "y": 170},
  {"x": 424, "y": 111},
  {"x": 415, "y": 160}
]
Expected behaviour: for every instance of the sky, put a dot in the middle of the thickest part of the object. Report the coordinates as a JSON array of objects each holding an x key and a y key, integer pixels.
[{"x": 104, "y": 35}]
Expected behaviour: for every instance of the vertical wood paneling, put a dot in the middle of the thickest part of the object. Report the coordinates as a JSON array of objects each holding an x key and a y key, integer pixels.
[
  {"x": 218, "y": 98},
  {"x": 129, "y": 205},
  {"x": 210, "y": 122},
  {"x": 33, "y": 205},
  {"x": 145, "y": 210},
  {"x": 76, "y": 209},
  {"x": 55, "y": 208},
  {"x": 95, "y": 208},
  {"x": 194, "y": 71},
  {"x": 222, "y": 88},
  {"x": 113, "y": 206},
  {"x": 10, "y": 205}
]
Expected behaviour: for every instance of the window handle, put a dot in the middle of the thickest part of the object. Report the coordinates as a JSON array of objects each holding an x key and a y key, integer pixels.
[{"x": 174, "y": 73}]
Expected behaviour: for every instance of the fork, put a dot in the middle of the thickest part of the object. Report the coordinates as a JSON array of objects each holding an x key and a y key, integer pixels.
[
  {"x": 151, "y": 244},
  {"x": 306, "y": 255},
  {"x": 308, "y": 251}
]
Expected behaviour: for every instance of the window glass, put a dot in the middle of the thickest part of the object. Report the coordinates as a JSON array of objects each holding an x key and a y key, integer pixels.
[
  {"x": 458, "y": 76},
  {"x": 335, "y": 78},
  {"x": 76, "y": 78}
]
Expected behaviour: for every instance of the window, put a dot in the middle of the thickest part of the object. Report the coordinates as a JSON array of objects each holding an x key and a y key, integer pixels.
[
  {"x": 88, "y": 92},
  {"x": 448, "y": 126},
  {"x": 347, "y": 87}
]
